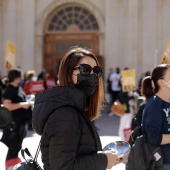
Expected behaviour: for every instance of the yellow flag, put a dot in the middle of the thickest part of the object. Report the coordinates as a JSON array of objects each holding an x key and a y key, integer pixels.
[
  {"x": 166, "y": 55},
  {"x": 128, "y": 80},
  {"x": 10, "y": 55}
]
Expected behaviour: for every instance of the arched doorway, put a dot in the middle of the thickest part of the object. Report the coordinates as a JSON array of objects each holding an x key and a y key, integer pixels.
[{"x": 68, "y": 26}]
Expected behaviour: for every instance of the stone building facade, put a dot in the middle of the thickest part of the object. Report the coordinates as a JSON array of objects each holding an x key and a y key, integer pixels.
[{"x": 124, "y": 33}]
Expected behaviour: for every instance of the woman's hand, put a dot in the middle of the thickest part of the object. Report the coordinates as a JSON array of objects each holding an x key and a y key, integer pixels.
[
  {"x": 122, "y": 159},
  {"x": 113, "y": 159}
]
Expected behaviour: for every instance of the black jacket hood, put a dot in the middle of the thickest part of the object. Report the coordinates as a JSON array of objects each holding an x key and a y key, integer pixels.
[{"x": 49, "y": 100}]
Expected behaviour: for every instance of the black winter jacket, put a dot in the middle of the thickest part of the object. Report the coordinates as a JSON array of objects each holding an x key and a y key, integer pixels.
[{"x": 69, "y": 141}]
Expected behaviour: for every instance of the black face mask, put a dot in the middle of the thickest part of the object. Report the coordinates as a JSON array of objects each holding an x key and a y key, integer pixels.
[{"x": 87, "y": 83}]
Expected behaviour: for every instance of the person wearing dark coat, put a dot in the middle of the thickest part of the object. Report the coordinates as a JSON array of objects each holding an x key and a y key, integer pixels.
[
  {"x": 64, "y": 116},
  {"x": 14, "y": 99}
]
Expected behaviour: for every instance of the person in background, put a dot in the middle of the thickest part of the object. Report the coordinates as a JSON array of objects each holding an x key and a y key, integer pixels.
[
  {"x": 109, "y": 86},
  {"x": 146, "y": 91},
  {"x": 23, "y": 79},
  {"x": 127, "y": 99},
  {"x": 147, "y": 73},
  {"x": 115, "y": 81},
  {"x": 14, "y": 100},
  {"x": 30, "y": 77},
  {"x": 156, "y": 115},
  {"x": 42, "y": 76},
  {"x": 65, "y": 121},
  {"x": 27, "y": 87}
]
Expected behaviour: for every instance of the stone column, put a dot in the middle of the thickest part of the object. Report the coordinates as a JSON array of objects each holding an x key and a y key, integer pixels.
[
  {"x": 8, "y": 27},
  {"x": 112, "y": 27},
  {"x": 27, "y": 34},
  {"x": 39, "y": 40},
  {"x": 149, "y": 33}
]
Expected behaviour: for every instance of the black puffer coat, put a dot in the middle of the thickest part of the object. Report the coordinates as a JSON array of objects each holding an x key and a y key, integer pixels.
[{"x": 69, "y": 141}]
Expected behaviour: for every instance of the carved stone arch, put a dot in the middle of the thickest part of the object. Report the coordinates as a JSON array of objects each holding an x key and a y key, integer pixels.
[
  {"x": 71, "y": 17},
  {"x": 42, "y": 17}
]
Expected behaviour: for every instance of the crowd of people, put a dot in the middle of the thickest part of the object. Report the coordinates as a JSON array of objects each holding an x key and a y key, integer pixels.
[
  {"x": 13, "y": 93},
  {"x": 69, "y": 139},
  {"x": 28, "y": 80},
  {"x": 128, "y": 98}
]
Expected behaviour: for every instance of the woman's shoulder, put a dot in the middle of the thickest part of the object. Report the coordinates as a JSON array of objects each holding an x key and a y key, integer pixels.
[
  {"x": 154, "y": 103},
  {"x": 10, "y": 91},
  {"x": 62, "y": 120},
  {"x": 154, "y": 100}
]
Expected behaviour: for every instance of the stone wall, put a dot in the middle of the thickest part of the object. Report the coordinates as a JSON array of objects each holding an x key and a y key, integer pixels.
[
  {"x": 134, "y": 31},
  {"x": 17, "y": 25}
]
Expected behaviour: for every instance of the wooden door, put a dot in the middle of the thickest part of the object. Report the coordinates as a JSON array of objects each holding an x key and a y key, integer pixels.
[{"x": 56, "y": 45}]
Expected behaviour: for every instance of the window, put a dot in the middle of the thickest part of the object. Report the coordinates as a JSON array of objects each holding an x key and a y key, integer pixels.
[{"x": 73, "y": 14}]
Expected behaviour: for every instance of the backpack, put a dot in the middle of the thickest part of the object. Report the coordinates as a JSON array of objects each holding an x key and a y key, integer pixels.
[
  {"x": 29, "y": 164},
  {"x": 143, "y": 155}
]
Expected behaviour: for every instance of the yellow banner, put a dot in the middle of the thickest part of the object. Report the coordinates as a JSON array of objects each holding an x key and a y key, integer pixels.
[
  {"x": 128, "y": 80},
  {"x": 166, "y": 55},
  {"x": 10, "y": 55}
]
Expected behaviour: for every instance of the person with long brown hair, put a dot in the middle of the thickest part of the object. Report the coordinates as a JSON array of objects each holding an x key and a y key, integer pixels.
[{"x": 64, "y": 116}]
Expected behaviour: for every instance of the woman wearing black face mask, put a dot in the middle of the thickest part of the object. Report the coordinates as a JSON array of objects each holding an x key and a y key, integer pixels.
[{"x": 63, "y": 116}]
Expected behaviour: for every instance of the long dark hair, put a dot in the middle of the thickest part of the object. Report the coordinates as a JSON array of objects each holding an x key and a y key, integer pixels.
[
  {"x": 69, "y": 61},
  {"x": 146, "y": 87}
]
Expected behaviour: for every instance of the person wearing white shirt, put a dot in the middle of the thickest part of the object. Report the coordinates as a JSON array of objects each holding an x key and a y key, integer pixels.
[{"x": 115, "y": 81}]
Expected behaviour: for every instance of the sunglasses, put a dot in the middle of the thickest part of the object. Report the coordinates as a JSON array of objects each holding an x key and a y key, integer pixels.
[{"x": 85, "y": 69}]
